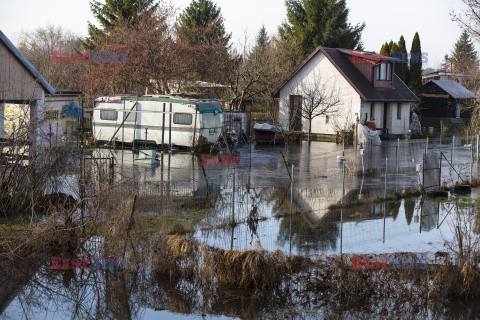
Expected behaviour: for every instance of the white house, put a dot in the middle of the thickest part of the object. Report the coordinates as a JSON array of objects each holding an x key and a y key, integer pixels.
[{"x": 350, "y": 87}]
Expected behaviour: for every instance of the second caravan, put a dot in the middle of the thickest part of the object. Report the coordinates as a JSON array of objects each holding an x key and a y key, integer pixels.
[{"x": 159, "y": 120}]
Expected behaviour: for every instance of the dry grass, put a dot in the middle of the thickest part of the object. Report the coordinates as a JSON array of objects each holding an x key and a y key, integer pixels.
[{"x": 258, "y": 270}]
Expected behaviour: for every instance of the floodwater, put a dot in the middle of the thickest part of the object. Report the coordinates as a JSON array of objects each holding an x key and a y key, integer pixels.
[{"x": 259, "y": 186}]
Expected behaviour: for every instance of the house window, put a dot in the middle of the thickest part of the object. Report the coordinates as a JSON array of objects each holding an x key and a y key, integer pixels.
[
  {"x": 399, "y": 111},
  {"x": 372, "y": 111},
  {"x": 129, "y": 117},
  {"x": 182, "y": 118},
  {"x": 108, "y": 115},
  {"x": 457, "y": 112},
  {"x": 384, "y": 72}
]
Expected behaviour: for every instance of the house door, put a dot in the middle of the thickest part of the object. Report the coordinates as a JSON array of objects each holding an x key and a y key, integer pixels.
[{"x": 295, "y": 114}]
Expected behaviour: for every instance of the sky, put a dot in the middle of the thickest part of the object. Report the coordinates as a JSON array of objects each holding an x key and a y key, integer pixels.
[{"x": 385, "y": 20}]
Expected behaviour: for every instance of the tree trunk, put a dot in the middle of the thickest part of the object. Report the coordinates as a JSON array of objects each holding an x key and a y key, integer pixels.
[{"x": 309, "y": 129}]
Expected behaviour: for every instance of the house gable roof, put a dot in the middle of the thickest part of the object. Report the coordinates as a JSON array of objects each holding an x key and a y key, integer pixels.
[
  {"x": 341, "y": 59},
  {"x": 26, "y": 63},
  {"x": 454, "y": 89}
]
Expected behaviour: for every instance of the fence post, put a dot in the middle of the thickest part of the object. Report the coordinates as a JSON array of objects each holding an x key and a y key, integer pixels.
[
  {"x": 452, "y": 155},
  {"x": 362, "y": 153},
  {"x": 477, "y": 147},
  {"x": 426, "y": 146},
  {"x": 385, "y": 199},
  {"x": 440, "y": 171},
  {"x": 146, "y": 134},
  {"x": 341, "y": 212},
  {"x": 386, "y": 170},
  {"x": 471, "y": 161},
  {"x": 423, "y": 173},
  {"x": 291, "y": 208},
  {"x": 112, "y": 170},
  {"x": 233, "y": 199},
  {"x": 396, "y": 154}
]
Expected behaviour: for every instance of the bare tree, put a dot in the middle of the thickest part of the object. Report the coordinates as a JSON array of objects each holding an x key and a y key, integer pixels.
[
  {"x": 38, "y": 47},
  {"x": 470, "y": 19},
  {"x": 319, "y": 98}
]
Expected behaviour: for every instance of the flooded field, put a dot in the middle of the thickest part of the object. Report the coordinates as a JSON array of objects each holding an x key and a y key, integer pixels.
[
  {"x": 248, "y": 206},
  {"x": 410, "y": 225}
]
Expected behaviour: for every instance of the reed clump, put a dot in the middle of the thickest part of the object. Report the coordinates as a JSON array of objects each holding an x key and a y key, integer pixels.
[{"x": 326, "y": 277}]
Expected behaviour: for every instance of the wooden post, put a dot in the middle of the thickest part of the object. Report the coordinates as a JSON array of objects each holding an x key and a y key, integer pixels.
[
  {"x": 206, "y": 180},
  {"x": 112, "y": 170}
]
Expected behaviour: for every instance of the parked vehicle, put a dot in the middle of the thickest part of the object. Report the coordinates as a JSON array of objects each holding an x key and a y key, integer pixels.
[{"x": 157, "y": 119}]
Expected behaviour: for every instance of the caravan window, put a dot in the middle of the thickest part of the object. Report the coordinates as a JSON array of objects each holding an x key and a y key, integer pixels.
[
  {"x": 182, "y": 118},
  {"x": 108, "y": 115},
  {"x": 129, "y": 117}
]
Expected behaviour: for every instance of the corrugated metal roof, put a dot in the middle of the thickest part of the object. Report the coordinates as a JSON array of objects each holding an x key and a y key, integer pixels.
[
  {"x": 26, "y": 63},
  {"x": 455, "y": 89}
]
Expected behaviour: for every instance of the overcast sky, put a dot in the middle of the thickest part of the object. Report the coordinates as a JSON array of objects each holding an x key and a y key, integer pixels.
[{"x": 385, "y": 20}]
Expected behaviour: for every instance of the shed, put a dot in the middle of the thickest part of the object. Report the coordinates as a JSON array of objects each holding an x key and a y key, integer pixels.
[
  {"x": 21, "y": 83},
  {"x": 446, "y": 98}
]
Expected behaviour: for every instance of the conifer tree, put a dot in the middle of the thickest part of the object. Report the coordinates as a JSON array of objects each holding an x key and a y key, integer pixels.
[
  {"x": 202, "y": 23},
  {"x": 394, "y": 53},
  {"x": 385, "y": 48},
  {"x": 415, "y": 82},
  {"x": 401, "y": 69},
  {"x": 113, "y": 12},
  {"x": 463, "y": 57},
  {"x": 312, "y": 23},
  {"x": 262, "y": 41}
]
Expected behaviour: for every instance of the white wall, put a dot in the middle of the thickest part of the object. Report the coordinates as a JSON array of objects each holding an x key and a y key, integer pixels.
[
  {"x": 319, "y": 67},
  {"x": 400, "y": 126},
  {"x": 395, "y": 126}
]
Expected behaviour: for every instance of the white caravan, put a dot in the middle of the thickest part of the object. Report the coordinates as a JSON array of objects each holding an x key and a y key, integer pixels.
[{"x": 159, "y": 120}]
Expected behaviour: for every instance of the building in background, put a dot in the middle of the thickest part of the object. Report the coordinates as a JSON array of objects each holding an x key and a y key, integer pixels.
[
  {"x": 365, "y": 85},
  {"x": 445, "y": 103}
]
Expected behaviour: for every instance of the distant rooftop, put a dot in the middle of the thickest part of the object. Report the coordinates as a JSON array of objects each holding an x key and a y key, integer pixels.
[{"x": 454, "y": 89}]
